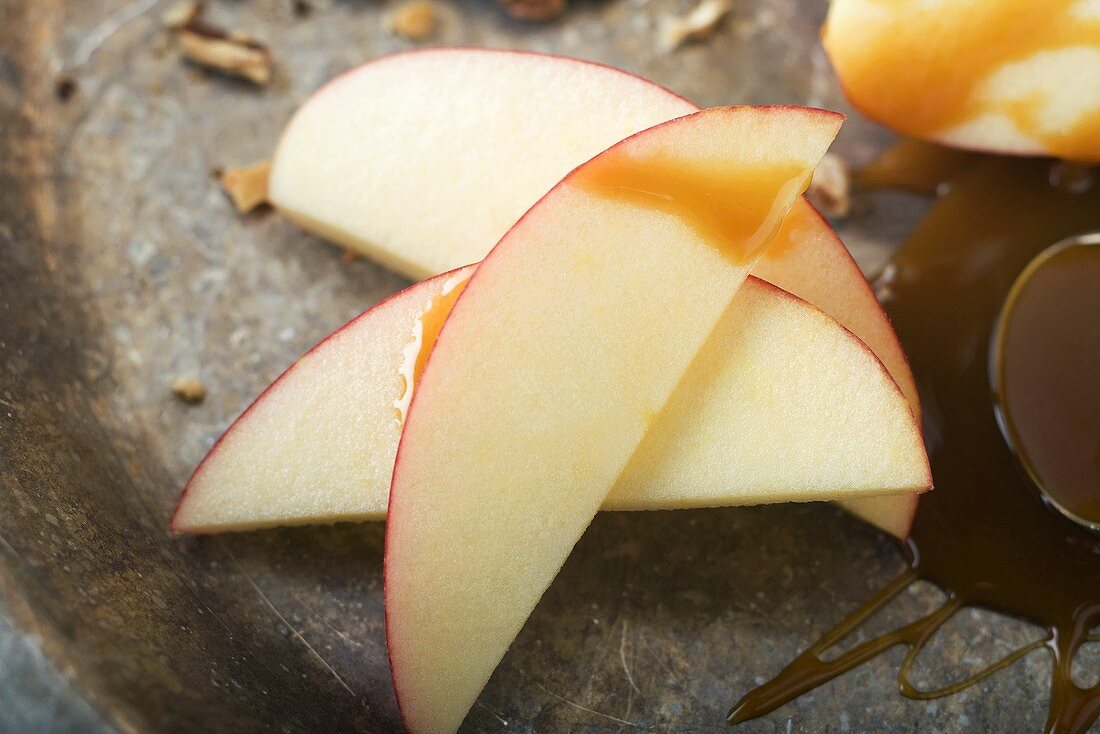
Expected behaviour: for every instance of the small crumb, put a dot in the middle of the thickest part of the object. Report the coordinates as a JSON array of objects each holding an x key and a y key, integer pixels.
[
  {"x": 697, "y": 24},
  {"x": 183, "y": 14},
  {"x": 302, "y": 8},
  {"x": 65, "y": 88},
  {"x": 415, "y": 20},
  {"x": 830, "y": 188},
  {"x": 189, "y": 389},
  {"x": 349, "y": 256},
  {"x": 232, "y": 53},
  {"x": 156, "y": 86},
  {"x": 246, "y": 185},
  {"x": 537, "y": 10}
]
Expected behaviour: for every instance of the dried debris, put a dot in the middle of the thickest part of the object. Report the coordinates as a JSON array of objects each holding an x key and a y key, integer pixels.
[
  {"x": 830, "y": 188},
  {"x": 246, "y": 185},
  {"x": 189, "y": 390},
  {"x": 415, "y": 20},
  {"x": 697, "y": 24},
  {"x": 229, "y": 52},
  {"x": 232, "y": 53},
  {"x": 349, "y": 255},
  {"x": 302, "y": 8},
  {"x": 537, "y": 10}
]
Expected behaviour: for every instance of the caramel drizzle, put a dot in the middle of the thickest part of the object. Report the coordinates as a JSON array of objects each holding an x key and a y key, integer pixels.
[
  {"x": 993, "y": 545},
  {"x": 1073, "y": 709},
  {"x": 738, "y": 210}
]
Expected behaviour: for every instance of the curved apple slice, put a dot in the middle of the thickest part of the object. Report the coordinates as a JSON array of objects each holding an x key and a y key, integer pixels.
[
  {"x": 568, "y": 339},
  {"x": 1011, "y": 76},
  {"x": 423, "y": 160},
  {"x": 317, "y": 445},
  {"x": 774, "y": 373}
]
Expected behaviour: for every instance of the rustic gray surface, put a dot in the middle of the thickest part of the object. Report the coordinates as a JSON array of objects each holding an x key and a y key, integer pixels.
[{"x": 123, "y": 267}]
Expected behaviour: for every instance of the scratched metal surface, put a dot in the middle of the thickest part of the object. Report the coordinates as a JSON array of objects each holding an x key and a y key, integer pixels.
[{"x": 123, "y": 266}]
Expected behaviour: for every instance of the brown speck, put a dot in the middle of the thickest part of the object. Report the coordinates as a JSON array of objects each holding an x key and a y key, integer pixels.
[
  {"x": 349, "y": 256},
  {"x": 156, "y": 87},
  {"x": 189, "y": 389},
  {"x": 247, "y": 185},
  {"x": 302, "y": 8},
  {"x": 415, "y": 20},
  {"x": 831, "y": 186},
  {"x": 697, "y": 24},
  {"x": 65, "y": 88},
  {"x": 537, "y": 10}
]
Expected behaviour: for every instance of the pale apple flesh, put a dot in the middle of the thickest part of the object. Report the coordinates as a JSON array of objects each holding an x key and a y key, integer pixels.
[
  {"x": 1011, "y": 76},
  {"x": 776, "y": 372},
  {"x": 319, "y": 444},
  {"x": 341, "y": 171},
  {"x": 532, "y": 401},
  {"x": 423, "y": 160}
]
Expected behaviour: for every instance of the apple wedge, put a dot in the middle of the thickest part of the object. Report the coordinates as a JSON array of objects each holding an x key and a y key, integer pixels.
[
  {"x": 359, "y": 164},
  {"x": 567, "y": 341},
  {"x": 782, "y": 404},
  {"x": 1011, "y": 76},
  {"x": 318, "y": 445},
  {"x": 423, "y": 160}
]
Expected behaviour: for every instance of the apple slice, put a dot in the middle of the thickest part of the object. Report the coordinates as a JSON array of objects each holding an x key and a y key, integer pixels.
[
  {"x": 359, "y": 164},
  {"x": 782, "y": 404},
  {"x": 423, "y": 160},
  {"x": 1014, "y": 76},
  {"x": 567, "y": 341},
  {"x": 318, "y": 445}
]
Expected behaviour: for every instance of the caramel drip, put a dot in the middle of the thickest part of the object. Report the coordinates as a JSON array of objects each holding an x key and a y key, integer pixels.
[
  {"x": 425, "y": 332},
  {"x": 940, "y": 57},
  {"x": 984, "y": 535},
  {"x": 737, "y": 211}
]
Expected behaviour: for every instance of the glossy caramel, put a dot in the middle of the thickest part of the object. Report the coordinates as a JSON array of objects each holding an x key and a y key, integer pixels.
[
  {"x": 425, "y": 332},
  {"x": 984, "y": 535},
  {"x": 1046, "y": 367},
  {"x": 736, "y": 210}
]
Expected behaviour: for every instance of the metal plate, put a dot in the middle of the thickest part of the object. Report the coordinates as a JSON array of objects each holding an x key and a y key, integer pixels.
[{"x": 123, "y": 266}]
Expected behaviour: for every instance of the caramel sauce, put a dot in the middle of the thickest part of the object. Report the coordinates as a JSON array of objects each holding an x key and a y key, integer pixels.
[
  {"x": 425, "y": 331},
  {"x": 1046, "y": 370},
  {"x": 738, "y": 211},
  {"x": 985, "y": 535},
  {"x": 945, "y": 54}
]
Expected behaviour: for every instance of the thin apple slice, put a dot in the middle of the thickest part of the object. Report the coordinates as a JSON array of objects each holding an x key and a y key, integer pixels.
[
  {"x": 423, "y": 160},
  {"x": 318, "y": 445},
  {"x": 782, "y": 404},
  {"x": 567, "y": 341},
  {"x": 810, "y": 261}
]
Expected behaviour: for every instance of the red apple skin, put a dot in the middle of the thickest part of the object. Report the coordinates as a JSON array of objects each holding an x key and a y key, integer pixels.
[
  {"x": 471, "y": 287},
  {"x": 176, "y": 525}
]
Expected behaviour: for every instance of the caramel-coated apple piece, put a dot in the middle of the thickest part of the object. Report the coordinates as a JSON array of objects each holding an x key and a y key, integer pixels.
[{"x": 565, "y": 344}]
